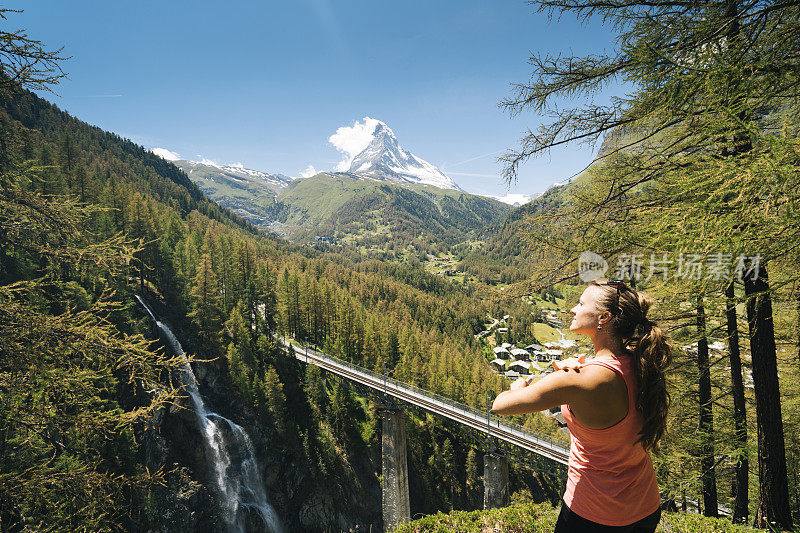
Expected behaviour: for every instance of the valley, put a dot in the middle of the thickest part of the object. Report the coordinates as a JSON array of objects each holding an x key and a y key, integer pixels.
[{"x": 200, "y": 346}]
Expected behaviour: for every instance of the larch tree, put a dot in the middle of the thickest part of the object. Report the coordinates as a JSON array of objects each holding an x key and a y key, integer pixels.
[
  {"x": 65, "y": 440},
  {"x": 206, "y": 309},
  {"x": 695, "y": 146}
]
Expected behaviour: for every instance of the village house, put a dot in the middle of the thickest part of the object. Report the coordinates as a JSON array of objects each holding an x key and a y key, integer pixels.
[
  {"x": 522, "y": 367},
  {"x": 520, "y": 354},
  {"x": 499, "y": 365},
  {"x": 501, "y": 353}
]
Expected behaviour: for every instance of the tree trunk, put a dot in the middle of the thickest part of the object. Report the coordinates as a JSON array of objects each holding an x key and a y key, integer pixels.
[
  {"x": 773, "y": 507},
  {"x": 740, "y": 484},
  {"x": 797, "y": 328},
  {"x": 708, "y": 470}
]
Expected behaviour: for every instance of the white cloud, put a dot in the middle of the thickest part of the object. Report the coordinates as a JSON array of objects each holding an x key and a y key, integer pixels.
[
  {"x": 351, "y": 140},
  {"x": 309, "y": 171},
  {"x": 238, "y": 165},
  {"x": 515, "y": 199},
  {"x": 165, "y": 154}
]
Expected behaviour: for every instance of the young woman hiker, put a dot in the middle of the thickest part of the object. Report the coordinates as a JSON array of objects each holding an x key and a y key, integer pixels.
[{"x": 615, "y": 406}]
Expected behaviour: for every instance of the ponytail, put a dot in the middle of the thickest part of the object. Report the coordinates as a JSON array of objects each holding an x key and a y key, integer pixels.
[{"x": 651, "y": 351}]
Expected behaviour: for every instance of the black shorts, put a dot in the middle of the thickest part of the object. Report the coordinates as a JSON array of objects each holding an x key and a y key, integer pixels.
[{"x": 569, "y": 522}]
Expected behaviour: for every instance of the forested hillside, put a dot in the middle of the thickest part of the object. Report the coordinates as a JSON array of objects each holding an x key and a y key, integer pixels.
[
  {"x": 344, "y": 207},
  {"x": 105, "y": 423},
  {"x": 73, "y": 193}
]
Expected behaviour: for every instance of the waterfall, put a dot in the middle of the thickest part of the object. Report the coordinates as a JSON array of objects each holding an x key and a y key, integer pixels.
[{"x": 238, "y": 482}]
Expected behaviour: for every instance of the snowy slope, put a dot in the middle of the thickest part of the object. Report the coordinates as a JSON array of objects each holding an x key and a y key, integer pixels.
[{"x": 235, "y": 172}]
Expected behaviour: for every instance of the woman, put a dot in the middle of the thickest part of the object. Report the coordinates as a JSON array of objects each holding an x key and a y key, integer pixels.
[{"x": 615, "y": 406}]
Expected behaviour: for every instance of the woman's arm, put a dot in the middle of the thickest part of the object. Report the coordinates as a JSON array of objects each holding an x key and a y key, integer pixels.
[{"x": 558, "y": 388}]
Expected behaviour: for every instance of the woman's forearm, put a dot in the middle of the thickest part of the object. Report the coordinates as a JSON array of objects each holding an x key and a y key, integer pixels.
[
  {"x": 516, "y": 402},
  {"x": 554, "y": 389}
]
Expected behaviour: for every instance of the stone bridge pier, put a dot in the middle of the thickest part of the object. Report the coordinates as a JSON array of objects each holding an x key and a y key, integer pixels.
[
  {"x": 495, "y": 481},
  {"x": 394, "y": 486}
]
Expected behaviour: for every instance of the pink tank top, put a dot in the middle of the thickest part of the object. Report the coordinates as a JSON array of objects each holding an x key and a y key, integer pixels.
[{"x": 610, "y": 479}]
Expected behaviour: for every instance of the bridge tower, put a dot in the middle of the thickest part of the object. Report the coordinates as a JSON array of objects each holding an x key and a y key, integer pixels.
[
  {"x": 495, "y": 468},
  {"x": 495, "y": 480},
  {"x": 394, "y": 486}
]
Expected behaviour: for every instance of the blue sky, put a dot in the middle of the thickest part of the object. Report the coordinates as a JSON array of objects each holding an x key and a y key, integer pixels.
[{"x": 267, "y": 83}]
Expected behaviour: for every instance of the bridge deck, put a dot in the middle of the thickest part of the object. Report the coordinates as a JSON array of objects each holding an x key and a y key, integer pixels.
[{"x": 511, "y": 433}]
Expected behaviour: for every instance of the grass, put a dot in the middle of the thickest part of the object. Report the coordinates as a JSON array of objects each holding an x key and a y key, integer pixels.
[
  {"x": 541, "y": 518},
  {"x": 545, "y": 332}
]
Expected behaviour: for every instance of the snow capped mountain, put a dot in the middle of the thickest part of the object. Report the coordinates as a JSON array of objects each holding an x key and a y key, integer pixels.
[
  {"x": 163, "y": 153},
  {"x": 372, "y": 151},
  {"x": 236, "y": 172}
]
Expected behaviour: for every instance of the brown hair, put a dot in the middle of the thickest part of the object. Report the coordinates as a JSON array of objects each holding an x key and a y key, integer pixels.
[{"x": 651, "y": 351}]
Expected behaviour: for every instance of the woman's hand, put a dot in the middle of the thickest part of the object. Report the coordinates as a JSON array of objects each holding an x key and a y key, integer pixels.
[
  {"x": 570, "y": 364},
  {"x": 519, "y": 383}
]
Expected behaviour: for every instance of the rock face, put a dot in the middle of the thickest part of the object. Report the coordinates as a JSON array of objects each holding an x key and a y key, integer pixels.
[{"x": 171, "y": 441}]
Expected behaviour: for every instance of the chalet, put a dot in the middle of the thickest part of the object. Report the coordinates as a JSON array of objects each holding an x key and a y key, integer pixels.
[
  {"x": 501, "y": 353},
  {"x": 499, "y": 365},
  {"x": 548, "y": 355},
  {"x": 554, "y": 355},
  {"x": 520, "y": 354},
  {"x": 534, "y": 348},
  {"x": 555, "y": 322},
  {"x": 512, "y": 375},
  {"x": 523, "y": 367}
]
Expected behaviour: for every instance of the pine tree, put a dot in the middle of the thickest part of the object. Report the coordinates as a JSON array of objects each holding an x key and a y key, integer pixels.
[
  {"x": 276, "y": 401},
  {"x": 241, "y": 335},
  {"x": 206, "y": 310}
]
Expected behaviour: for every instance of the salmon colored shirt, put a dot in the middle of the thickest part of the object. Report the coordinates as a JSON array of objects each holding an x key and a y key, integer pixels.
[{"x": 610, "y": 479}]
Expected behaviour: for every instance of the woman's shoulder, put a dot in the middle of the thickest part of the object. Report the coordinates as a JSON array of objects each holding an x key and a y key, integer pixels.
[{"x": 599, "y": 375}]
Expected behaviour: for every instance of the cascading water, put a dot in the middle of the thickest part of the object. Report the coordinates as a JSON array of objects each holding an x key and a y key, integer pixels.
[{"x": 239, "y": 483}]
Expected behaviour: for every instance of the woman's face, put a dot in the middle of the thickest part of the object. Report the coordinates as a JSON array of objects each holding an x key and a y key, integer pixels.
[{"x": 587, "y": 316}]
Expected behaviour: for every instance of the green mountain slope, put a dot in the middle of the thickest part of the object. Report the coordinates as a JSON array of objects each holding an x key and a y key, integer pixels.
[
  {"x": 248, "y": 193},
  {"x": 317, "y": 442},
  {"x": 341, "y": 206},
  {"x": 91, "y": 160}
]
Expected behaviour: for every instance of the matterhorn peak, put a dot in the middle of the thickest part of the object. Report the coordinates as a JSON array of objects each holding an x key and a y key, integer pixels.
[{"x": 371, "y": 150}]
